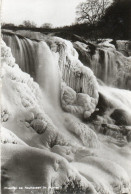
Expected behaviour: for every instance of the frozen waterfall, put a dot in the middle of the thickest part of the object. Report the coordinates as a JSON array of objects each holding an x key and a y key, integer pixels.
[{"x": 61, "y": 127}]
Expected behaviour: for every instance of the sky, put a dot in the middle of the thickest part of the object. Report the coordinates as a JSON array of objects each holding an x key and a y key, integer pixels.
[{"x": 56, "y": 12}]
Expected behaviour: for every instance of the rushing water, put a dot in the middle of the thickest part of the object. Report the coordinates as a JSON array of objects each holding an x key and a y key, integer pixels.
[
  {"x": 112, "y": 68},
  {"x": 108, "y": 64},
  {"x": 24, "y": 52}
]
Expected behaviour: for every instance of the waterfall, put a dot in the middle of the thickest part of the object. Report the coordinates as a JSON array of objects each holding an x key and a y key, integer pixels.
[
  {"x": 49, "y": 65},
  {"x": 51, "y": 117},
  {"x": 36, "y": 59},
  {"x": 108, "y": 64},
  {"x": 24, "y": 51},
  {"x": 112, "y": 67}
]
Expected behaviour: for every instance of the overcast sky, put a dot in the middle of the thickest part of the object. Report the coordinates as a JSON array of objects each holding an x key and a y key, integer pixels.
[{"x": 57, "y": 12}]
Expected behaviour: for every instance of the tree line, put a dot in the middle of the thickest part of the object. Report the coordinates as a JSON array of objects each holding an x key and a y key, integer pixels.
[
  {"x": 28, "y": 24},
  {"x": 94, "y": 19}
]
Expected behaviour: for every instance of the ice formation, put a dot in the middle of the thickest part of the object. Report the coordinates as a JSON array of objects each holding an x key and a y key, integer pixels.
[{"x": 44, "y": 141}]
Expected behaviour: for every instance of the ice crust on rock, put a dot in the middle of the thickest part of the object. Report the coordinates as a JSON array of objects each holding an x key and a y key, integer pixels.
[{"x": 80, "y": 89}]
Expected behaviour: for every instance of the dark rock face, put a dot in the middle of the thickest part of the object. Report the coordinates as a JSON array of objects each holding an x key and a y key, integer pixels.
[
  {"x": 102, "y": 106},
  {"x": 129, "y": 136},
  {"x": 121, "y": 118}
]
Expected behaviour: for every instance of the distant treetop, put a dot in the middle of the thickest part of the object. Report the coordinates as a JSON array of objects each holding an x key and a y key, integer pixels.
[
  {"x": 47, "y": 25},
  {"x": 29, "y": 24}
]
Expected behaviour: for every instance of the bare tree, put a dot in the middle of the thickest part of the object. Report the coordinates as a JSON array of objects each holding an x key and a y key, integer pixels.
[{"x": 91, "y": 11}]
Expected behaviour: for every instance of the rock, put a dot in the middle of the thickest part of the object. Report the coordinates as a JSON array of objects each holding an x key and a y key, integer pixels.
[
  {"x": 110, "y": 130},
  {"x": 121, "y": 117},
  {"x": 118, "y": 132},
  {"x": 5, "y": 117},
  {"x": 129, "y": 136},
  {"x": 102, "y": 106},
  {"x": 113, "y": 127}
]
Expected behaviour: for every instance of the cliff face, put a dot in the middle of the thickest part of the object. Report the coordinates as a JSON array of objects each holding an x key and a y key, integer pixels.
[{"x": 44, "y": 141}]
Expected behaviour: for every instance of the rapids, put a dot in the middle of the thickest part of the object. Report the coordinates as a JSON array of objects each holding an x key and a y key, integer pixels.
[{"x": 49, "y": 133}]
